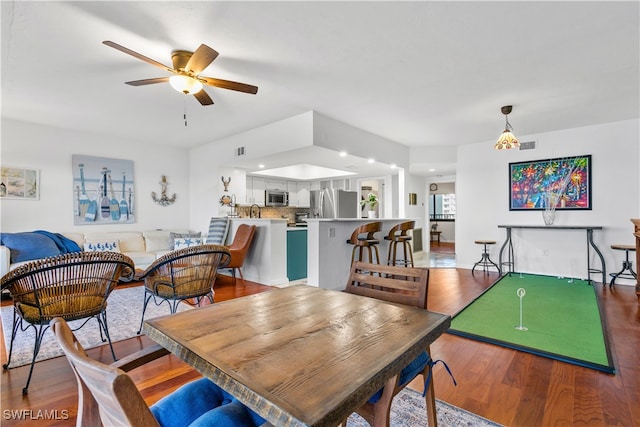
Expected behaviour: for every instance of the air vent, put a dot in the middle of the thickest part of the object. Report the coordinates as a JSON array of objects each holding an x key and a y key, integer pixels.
[
  {"x": 529, "y": 145},
  {"x": 239, "y": 151}
]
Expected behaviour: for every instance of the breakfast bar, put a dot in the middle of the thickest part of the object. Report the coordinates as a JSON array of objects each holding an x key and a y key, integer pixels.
[{"x": 329, "y": 256}]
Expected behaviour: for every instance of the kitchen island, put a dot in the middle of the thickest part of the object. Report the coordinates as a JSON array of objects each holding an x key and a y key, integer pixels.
[
  {"x": 329, "y": 254},
  {"x": 266, "y": 260}
]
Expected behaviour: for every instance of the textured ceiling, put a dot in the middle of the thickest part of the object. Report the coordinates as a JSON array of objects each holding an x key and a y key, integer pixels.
[{"x": 418, "y": 73}]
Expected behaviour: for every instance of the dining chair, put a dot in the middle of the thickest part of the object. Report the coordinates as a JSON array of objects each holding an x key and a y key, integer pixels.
[
  {"x": 183, "y": 274},
  {"x": 399, "y": 285},
  {"x": 72, "y": 286},
  {"x": 363, "y": 237},
  {"x": 239, "y": 248},
  {"x": 108, "y": 396}
]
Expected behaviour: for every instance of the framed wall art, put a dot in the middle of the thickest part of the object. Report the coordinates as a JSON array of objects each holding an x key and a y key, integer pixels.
[
  {"x": 103, "y": 191},
  {"x": 19, "y": 183},
  {"x": 564, "y": 183}
]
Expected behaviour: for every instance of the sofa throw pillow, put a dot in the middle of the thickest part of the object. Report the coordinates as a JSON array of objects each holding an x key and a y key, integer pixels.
[
  {"x": 218, "y": 229},
  {"x": 28, "y": 246},
  {"x": 175, "y": 236},
  {"x": 102, "y": 246},
  {"x": 186, "y": 242}
]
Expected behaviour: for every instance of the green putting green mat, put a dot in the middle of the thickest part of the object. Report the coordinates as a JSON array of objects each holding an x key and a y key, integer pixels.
[{"x": 562, "y": 318}]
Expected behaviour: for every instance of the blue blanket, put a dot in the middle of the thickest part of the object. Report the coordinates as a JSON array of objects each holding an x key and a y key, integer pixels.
[
  {"x": 37, "y": 244},
  {"x": 65, "y": 244}
]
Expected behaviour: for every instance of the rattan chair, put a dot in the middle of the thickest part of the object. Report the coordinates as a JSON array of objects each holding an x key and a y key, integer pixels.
[
  {"x": 70, "y": 286},
  {"x": 400, "y": 285},
  {"x": 183, "y": 274}
]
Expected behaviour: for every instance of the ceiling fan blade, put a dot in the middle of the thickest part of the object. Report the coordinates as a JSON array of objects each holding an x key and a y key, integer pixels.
[
  {"x": 148, "y": 81},
  {"x": 137, "y": 55},
  {"x": 203, "y": 97},
  {"x": 201, "y": 58},
  {"x": 227, "y": 84}
]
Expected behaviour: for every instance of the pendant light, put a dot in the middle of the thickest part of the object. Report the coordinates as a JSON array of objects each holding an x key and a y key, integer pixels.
[{"x": 507, "y": 140}]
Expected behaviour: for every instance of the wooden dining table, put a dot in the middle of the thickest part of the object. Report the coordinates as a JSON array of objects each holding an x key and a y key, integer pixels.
[{"x": 301, "y": 355}]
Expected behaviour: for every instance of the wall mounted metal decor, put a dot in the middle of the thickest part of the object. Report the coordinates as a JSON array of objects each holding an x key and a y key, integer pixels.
[
  {"x": 103, "y": 191},
  {"x": 19, "y": 183},
  {"x": 163, "y": 200}
]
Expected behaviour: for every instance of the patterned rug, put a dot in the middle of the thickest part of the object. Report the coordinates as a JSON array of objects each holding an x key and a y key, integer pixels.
[
  {"x": 408, "y": 409},
  {"x": 124, "y": 309}
]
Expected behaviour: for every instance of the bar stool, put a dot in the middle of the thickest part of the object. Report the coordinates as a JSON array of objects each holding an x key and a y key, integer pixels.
[
  {"x": 626, "y": 264},
  {"x": 403, "y": 238},
  {"x": 369, "y": 241},
  {"x": 485, "y": 262}
]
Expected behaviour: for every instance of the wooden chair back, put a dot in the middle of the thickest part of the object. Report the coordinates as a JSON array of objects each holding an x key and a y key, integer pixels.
[
  {"x": 399, "y": 285},
  {"x": 400, "y": 231},
  {"x": 365, "y": 233},
  {"x": 106, "y": 395}
]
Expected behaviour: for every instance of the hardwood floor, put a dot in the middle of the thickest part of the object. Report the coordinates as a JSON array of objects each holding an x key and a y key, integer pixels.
[{"x": 507, "y": 386}]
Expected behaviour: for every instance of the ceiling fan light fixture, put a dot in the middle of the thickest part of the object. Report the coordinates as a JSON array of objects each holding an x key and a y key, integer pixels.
[
  {"x": 185, "y": 84},
  {"x": 507, "y": 139}
]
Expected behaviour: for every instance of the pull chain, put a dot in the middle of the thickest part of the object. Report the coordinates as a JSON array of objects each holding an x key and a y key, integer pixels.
[{"x": 185, "y": 111}]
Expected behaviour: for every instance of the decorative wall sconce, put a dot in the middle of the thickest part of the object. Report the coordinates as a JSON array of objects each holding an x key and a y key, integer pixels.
[
  {"x": 413, "y": 199},
  {"x": 163, "y": 200}
]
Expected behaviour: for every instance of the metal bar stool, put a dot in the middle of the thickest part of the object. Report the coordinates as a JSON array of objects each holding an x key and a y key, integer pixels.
[
  {"x": 398, "y": 234},
  {"x": 363, "y": 237},
  {"x": 485, "y": 262},
  {"x": 626, "y": 264}
]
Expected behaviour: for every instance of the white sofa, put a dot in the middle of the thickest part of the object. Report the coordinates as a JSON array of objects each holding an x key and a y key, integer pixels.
[{"x": 142, "y": 247}]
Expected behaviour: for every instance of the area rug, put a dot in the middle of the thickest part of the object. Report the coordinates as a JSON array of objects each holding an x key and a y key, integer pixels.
[
  {"x": 124, "y": 309},
  {"x": 562, "y": 318},
  {"x": 409, "y": 409}
]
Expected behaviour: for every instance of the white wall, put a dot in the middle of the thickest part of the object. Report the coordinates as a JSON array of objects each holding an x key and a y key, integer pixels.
[
  {"x": 417, "y": 184},
  {"x": 49, "y": 149},
  {"x": 448, "y": 228},
  {"x": 483, "y": 200}
]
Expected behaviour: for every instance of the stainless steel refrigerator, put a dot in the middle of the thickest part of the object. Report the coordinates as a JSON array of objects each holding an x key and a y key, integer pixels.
[{"x": 334, "y": 203}]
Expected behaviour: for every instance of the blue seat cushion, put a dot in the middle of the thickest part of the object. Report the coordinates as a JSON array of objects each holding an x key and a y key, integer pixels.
[
  {"x": 202, "y": 403},
  {"x": 407, "y": 374}
]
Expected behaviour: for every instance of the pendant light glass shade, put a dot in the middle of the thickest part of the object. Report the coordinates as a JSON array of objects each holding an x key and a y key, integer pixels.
[
  {"x": 185, "y": 84},
  {"x": 507, "y": 140}
]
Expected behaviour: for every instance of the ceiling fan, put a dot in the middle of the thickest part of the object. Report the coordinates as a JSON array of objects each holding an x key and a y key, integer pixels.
[{"x": 187, "y": 67}]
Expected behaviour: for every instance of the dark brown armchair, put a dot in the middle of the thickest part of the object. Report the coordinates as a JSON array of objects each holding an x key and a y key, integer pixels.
[
  {"x": 71, "y": 286},
  {"x": 239, "y": 247},
  {"x": 183, "y": 274}
]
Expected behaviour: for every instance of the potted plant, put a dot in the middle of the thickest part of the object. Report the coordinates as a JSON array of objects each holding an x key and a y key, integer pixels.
[{"x": 371, "y": 201}]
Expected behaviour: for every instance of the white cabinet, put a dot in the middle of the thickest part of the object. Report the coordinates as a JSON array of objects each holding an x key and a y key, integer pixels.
[
  {"x": 303, "y": 194},
  {"x": 255, "y": 190},
  {"x": 292, "y": 188},
  {"x": 275, "y": 184},
  {"x": 314, "y": 185}
]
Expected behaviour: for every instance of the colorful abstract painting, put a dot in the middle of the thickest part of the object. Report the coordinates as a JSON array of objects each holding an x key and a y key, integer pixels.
[{"x": 568, "y": 179}]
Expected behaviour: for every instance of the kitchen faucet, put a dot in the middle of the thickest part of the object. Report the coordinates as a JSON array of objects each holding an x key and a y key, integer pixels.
[{"x": 251, "y": 211}]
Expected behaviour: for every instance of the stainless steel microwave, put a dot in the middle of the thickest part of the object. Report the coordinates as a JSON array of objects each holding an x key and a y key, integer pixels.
[{"x": 276, "y": 198}]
